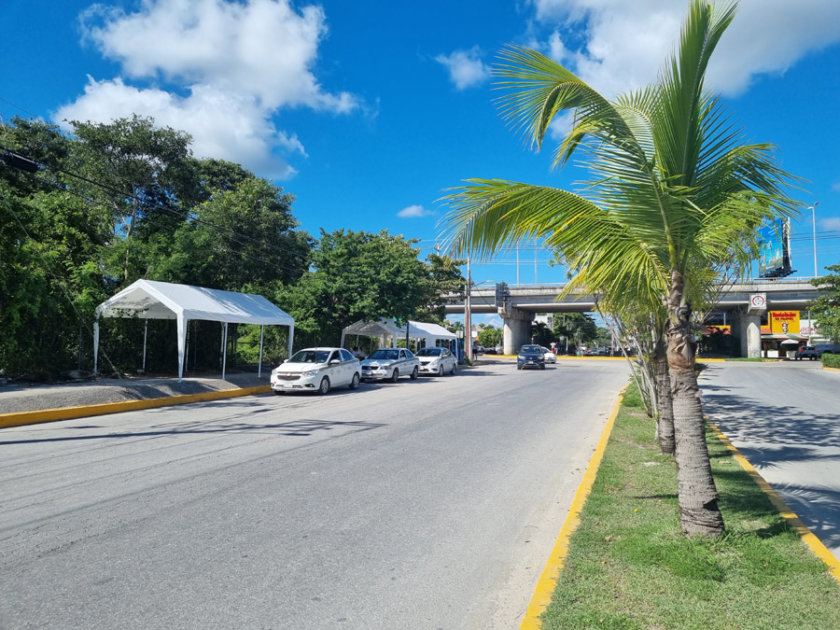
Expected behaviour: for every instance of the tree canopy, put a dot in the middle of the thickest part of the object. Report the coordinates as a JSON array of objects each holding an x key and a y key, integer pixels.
[{"x": 95, "y": 209}]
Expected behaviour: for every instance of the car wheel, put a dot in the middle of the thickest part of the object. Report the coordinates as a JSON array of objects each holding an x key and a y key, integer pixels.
[
  {"x": 542, "y": 367},
  {"x": 518, "y": 367},
  {"x": 324, "y": 387},
  {"x": 440, "y": 370},
  {"x": 452, "y": 371},
  {"x": 395, "y": 375},
  {"x": 415, "y": 373},
  {"x": 354, "y": 382}
]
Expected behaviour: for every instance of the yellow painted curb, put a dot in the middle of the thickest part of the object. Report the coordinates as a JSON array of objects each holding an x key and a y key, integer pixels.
[
  {"x": 68, "y": 413},
  {"x": 807, "y": 536},
  {"x": 551, "y": 573}
]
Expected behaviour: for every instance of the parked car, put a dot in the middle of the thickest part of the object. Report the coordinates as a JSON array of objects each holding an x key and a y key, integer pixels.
[
  {"x": 390, "y": 363},
  {"x": 317, "y": 370},
  {"x": 436, "y": 361},
  {"x": 530, "y": 355},
  {"x": 549, "y": 356},
  {"x": 807, "y": 352}
]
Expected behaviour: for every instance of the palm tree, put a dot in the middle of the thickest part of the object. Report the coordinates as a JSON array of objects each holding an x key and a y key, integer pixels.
[{"x": 673, "y": 195}]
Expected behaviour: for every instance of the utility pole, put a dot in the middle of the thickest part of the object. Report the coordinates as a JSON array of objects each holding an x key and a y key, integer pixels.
[{"x": 467, "y": 314}]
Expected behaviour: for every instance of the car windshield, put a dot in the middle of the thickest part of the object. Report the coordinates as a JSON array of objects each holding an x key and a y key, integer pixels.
[
  {"x": 384, "y": 354},
  {"x": 429, "y": 352},
  {"x": 531, "y": 350},
  {"x": 310, "y": 356}
]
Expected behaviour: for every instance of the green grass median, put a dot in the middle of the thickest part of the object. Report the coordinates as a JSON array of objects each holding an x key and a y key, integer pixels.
[{"x": 629, "y": 567}]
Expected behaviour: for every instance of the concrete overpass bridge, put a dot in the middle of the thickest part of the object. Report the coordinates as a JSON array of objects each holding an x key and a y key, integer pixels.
[{"x": 741, "y": 305}]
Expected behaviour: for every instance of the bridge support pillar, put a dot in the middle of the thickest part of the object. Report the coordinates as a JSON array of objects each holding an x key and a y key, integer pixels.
[
  {"x": 516, "y": 329},
  {"x": 749, "y": 330}
]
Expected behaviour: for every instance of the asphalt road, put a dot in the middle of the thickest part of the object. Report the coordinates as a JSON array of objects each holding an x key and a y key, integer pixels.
[
  {"x": 421, "y": 504},
  {"x": 784, "y": 417}
]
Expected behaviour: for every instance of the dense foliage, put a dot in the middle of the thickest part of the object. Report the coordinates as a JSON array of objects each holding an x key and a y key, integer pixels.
[
  {"x": 89, "y": 212},
  {"x": 826, "y": 308}
]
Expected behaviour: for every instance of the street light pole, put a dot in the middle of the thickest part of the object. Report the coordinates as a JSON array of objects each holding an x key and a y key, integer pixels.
[{"x": 813, "y": 210}]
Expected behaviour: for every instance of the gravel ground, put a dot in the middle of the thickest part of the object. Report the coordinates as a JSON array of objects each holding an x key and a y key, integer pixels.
[{"x": 16, "y": 398}]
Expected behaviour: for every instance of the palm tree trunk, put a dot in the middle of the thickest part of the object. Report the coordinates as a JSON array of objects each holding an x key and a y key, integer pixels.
[
  {"x": 697, "y": 494},
  {"x": 664, "y": 399}
]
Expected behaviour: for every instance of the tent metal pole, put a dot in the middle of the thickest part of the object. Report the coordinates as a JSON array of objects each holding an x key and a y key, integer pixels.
[
  {"x": 224, "y": 350},
  {"x": 96, "y": 346},
  {"x": 291, "y": 339},
  {"x": 259, "y": 367},
  {"x": 145, "y": 337}
]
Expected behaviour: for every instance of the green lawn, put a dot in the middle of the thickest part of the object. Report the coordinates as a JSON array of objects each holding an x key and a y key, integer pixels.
[{"x": 629, "y": 567}]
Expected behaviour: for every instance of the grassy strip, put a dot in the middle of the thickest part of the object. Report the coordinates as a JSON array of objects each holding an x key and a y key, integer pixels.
[{"x": 629, "y": 567}]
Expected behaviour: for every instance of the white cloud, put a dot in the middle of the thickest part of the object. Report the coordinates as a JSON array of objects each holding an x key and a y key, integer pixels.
[
  {"x": 625, "y": 43},
  {"x": 465, "y": 67},
  {"x": 228, "y": 67},
  {"x": 831, "y": 224},
  {"x": 413, "y": 212}
]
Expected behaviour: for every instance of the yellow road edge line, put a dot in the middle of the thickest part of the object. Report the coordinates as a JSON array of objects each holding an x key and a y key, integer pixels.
[
  {"x": 551, "y": 573},
  {"x": 807, "y": 536},
  {"x": 68, "y": 413}
]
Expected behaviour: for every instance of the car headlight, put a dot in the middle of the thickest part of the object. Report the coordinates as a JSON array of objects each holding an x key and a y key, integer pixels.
[{"x": 310, "y": 373}]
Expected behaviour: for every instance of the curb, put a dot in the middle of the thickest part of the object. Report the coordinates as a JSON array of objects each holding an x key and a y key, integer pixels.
[
  {"x": 68, "y": 413},
  {"x": 551, "y": 573},
  {"x": 807, "y": 536}
]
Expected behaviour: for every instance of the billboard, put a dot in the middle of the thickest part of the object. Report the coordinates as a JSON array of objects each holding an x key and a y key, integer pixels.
[
  {"x": 783, "y": 322},
  {"x": 774, "y": 250}
]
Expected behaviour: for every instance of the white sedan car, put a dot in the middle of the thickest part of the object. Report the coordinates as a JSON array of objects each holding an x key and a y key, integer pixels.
[
  {"x": 437, "y": 361},
  {"x": 317, "y": 370},
  {"x": 550, "y": 357},
  {"x": 390, "y": 363}
]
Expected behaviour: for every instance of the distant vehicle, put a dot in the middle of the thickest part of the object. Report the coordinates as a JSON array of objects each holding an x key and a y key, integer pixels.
[
  {"x": 548, "y": 355},
  {"x": 317, "y": 370},
  {"x": 530, "y": 355},
  {"x": 828, "y": 348},
  {"x": 390, "y": 364},
  {"x": 807, "y": 352},
  {"x": 436, "y": 361}
]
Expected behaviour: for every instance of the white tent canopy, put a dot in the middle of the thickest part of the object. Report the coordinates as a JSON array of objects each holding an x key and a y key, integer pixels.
[
  {"x": 149, "y": 299},
  {"x": 430, "y": 333},
  {"x": 383, "y": 328},
  {"x": 386, "y": 328}
]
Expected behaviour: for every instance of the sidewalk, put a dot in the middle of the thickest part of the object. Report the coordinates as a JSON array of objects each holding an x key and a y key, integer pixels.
[{"x": 25, "y": 398}]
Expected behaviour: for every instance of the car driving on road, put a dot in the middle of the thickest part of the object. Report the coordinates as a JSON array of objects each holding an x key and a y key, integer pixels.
[
  {"x": 807, "y": 352},
  {"x": 390, "y": 364},
  {"x": 317, "y": 370},
  {"x": 436, "y": 361},
  {"x": 530, "y": 356}
]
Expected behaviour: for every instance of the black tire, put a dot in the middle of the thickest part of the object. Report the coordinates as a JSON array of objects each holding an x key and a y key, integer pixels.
[
  {"x": 324, "y": 387},
  {"x": 354, "y": 382},
  {"x": 452, "y": 371},
  {"x": 395, "y": 375},
  {"x": 440, "y": 370},
  {"x": 415, "y": 373},
  {"x": 542, "y": 366},
  {"x": 518, "y": 367}
]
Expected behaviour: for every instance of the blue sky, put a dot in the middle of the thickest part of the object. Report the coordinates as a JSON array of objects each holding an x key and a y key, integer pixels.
[{"x": 368, "y": 111}]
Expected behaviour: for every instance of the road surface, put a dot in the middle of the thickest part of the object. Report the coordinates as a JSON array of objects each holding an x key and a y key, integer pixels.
[
  {"x": 421, "y": 504},
  {"x": 784, "y": 417}
]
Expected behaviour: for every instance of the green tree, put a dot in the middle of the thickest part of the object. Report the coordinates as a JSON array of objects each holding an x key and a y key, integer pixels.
[
  {"x": 673, "y": 196},
  {"x": 444, "y": 278},
  {"x": 826, "y": 308},
  {"x": 490, "y": 336},
  {"x": 355, "y": 276},
  {"x": 242, "y": 236},
  {"x": 142, "y": 175}
]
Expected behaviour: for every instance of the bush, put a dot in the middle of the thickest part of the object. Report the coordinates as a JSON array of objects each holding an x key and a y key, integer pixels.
[{"x": 831, "y": 360}]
